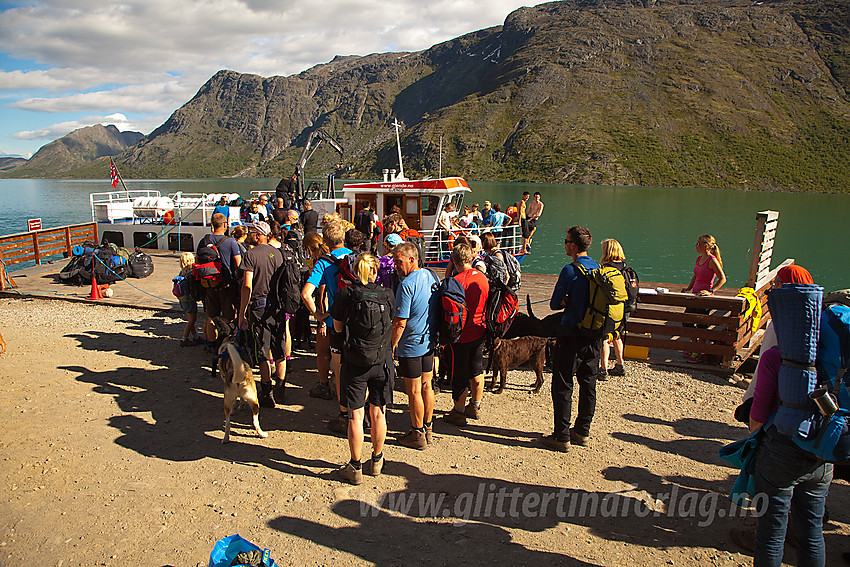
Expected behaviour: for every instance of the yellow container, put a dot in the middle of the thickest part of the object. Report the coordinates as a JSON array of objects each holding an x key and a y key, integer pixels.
[{"x": 636, "y": 352}]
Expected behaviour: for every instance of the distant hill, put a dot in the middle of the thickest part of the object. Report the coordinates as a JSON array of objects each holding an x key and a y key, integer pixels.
[
  {"x": 7, "y": 163},
  {"x": 709, "y": 93},
  {"x": 77, "y": 148}
]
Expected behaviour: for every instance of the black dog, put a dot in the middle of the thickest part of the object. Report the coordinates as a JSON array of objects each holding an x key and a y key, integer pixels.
[{"x": 530, "y": 326}]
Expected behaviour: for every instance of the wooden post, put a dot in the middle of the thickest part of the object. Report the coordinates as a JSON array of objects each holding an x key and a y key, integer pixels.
[
  {"x": 67, "y": 242},
  {"x": 4, "y": 275},
  {"x": 762, "y": 251},
  {"x": 35, "y": 248}
]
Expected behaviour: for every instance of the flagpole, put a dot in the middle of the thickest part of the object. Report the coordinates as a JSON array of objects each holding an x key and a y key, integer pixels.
[{"x": 121, "y": 179}]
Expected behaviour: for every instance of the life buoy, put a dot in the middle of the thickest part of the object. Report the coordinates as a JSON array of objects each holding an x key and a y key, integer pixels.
[
  {"x": 168, "y": 217},
  {"x": 512, "y": 212}
]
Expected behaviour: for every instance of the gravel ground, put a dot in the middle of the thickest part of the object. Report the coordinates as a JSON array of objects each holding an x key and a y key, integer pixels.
[{"x": 111, "y": 455}]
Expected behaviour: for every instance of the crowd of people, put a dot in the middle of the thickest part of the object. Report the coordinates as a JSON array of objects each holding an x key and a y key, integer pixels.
[
  {"x": 474, "y": 221},
  {"x": 378, "y": 315}
]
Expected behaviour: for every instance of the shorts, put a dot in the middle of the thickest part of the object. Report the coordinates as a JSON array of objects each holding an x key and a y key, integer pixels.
[
  {"x": 189, "y": 306},
  {"x": 532, "y": 225},
  {"x": 467, "y": 362},
  {"x": 219, "y": 301},
  {"x": 270, "y": 337},
  {"x": 526, "y": 231},
  {"x": 413, "y": 367},
  {"x": 358, "y": 381},
  {"x": 335, "y": 339}
]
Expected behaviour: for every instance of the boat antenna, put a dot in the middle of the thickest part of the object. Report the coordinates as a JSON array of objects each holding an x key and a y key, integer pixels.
[
  {"x": 440, "y": 175},
  {"x": 398, "y": 145}
]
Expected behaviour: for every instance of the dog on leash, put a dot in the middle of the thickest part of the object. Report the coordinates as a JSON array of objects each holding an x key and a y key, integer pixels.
[
  {"x": 510, "y": 353},
  {"x": 238, "y": 385}
]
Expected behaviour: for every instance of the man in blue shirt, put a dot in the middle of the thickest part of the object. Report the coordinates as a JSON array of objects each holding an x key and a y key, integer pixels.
[
  {"x": 498, "y": 219},
  {"x": 222, "y": 208},
  {"x": 414, "y": 337},
  {"x": 325, "y": 274},
  {"x": 575, "y": 354}
]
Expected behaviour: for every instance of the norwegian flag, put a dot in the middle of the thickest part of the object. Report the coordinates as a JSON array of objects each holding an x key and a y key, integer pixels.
[{"x": 113, "y": 173}]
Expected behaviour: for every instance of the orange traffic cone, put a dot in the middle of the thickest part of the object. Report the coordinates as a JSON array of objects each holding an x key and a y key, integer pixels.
[{"x": 95, "y": 290}]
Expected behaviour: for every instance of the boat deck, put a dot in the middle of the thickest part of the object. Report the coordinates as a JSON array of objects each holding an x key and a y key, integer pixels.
[{"x": 154, "y": 293}]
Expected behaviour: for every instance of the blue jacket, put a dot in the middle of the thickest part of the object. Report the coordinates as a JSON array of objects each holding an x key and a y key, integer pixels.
[{"x": 573, "y": 285}]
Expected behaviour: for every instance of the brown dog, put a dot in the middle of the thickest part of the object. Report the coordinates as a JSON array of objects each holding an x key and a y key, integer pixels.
[
  {"x": 238, "y": 385},
  {"x": 510, "y": 353}
]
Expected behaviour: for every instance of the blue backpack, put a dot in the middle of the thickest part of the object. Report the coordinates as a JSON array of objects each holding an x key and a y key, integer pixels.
[
  {"x": 453, "y": 310},
  {"x": 829, "y": 435}
]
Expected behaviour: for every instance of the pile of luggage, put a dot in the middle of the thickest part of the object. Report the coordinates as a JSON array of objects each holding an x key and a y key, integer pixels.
[{"x": 107, "y": 263}]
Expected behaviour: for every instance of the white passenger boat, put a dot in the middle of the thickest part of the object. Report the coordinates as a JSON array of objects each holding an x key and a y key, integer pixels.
[{"x": 147, "y": 219}]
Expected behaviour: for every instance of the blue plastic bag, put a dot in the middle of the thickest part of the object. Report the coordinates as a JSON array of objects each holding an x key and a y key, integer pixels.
[{"x": 227, "y": 548}]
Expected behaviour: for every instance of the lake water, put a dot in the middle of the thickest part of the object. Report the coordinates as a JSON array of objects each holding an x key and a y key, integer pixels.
[{"x": 657, "y": 227}]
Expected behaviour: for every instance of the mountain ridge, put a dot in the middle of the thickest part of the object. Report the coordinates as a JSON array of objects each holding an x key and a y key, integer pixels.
[{"x": 710, "y": 94}]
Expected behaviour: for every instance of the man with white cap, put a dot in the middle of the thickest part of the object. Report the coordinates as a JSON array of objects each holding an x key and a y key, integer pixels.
[{"x": 258, "y": 265}]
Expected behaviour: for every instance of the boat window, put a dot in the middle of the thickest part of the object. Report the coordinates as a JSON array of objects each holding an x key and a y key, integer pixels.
[
  {"x": 113, "y": 237},
  {"x": 144, "y": 240},
  {"x": 186, "y": 242},
  {"x": 457, "y": 200},
  {"x": 430, "y": 204}
]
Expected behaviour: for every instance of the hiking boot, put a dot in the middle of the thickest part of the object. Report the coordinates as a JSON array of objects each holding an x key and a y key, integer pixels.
[
  {"x": 429, "y": 434},
  {"x": 694, "y": 357},
  {"x": 186, "y": 342},
  {"x": 602, "y": 375},
  {"x": 350, "y": 474},
  {"x": 549, "y": 442},
  {"x": 265, "y": 399},
  {"x": 413, "y": 439},
  {"x": 321, "y": 390},
  {"x": 578, "y": 438},
  {"x": 376, "y": 466},
  {"x": 455, "y": 418},
  {"x": 339, "y": 424},
  {"x": 280, "y": 392},
  {"x": 472, "y": 412},
  {"x": 618, "y": 370}
]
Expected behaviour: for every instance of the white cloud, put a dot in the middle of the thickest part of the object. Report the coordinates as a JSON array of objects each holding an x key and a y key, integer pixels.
[
  {"x": 60, "y": 129},
  {"x": 149, "y": 57}
]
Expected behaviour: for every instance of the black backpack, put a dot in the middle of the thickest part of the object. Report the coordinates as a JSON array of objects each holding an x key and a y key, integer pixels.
[
  {"x": 141, "y": 264},
  {"x": 368, "y": 325},
  {"x": 284, "y": 288},
  {"x": 295, "y": 240},
  {"x": 363, "y": 222},
  {"x": 632, "y": 285}
]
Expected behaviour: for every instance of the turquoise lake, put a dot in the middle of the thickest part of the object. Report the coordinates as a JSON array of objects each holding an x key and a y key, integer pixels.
[{"x": 657, "y": 226}]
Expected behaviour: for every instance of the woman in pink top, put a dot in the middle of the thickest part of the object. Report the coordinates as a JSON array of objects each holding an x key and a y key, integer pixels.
[{"x": 708, "y": 267}]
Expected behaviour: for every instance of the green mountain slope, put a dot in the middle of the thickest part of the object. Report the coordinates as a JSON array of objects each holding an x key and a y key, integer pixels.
[{"x": 711, "y": 94}]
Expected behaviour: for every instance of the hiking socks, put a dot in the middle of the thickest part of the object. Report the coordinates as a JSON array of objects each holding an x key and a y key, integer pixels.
[
  {"x": 378, "y": 457},
  {"x": 419, "y": 430},
  {"x": 356, "y": 464},
  {"x": 475, "y": 403}
]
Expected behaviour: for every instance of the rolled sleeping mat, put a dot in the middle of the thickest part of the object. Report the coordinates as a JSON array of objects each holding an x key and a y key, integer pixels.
[
  {"x": 796, "y": 311},
  {"x": 80, "y": 250}
]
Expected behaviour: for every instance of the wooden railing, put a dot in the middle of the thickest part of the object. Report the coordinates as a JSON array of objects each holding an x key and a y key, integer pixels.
[
  {"x": 659, "y": 323},
  {"x": 39, "y": 244}
]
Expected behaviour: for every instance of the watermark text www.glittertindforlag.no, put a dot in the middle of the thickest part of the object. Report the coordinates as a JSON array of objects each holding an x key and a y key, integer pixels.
[{"x": 490, "y": 501}]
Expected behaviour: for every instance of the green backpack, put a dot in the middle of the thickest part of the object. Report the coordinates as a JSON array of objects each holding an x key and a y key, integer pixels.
[{"x": 606, "y": 301}]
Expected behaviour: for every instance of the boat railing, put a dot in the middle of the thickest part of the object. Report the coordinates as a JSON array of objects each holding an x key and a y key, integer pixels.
[
  {"x": 116, "y": 206},
  {"x": 439, "y": 243}
]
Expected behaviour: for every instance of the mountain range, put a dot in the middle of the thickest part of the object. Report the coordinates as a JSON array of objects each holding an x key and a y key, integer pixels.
[{"x": 727, "y": 94}]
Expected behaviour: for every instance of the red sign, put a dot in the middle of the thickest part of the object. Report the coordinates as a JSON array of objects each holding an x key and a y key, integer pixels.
[{"x": 33, "y": 224}]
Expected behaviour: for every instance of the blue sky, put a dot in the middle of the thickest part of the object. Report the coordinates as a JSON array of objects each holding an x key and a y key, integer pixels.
[{"x": 68, "y": 64}]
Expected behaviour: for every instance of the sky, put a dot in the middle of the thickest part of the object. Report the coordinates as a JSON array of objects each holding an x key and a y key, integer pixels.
[{"x": 65, "y": 64}]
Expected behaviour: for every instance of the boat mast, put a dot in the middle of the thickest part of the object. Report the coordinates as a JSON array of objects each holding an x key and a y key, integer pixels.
[
  {"x": 440, "y": 174},
  {"x": 398, "y": 145}
]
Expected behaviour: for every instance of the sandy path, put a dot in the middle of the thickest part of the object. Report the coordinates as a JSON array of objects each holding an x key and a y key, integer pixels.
[{"x": 111, "y": 455}]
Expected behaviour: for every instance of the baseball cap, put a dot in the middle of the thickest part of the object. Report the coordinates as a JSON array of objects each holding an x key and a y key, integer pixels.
[
  {"x": 260, "y": 226},
  {"x": 394, "y": 239}
]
